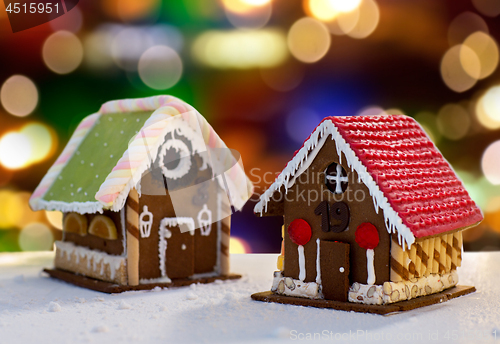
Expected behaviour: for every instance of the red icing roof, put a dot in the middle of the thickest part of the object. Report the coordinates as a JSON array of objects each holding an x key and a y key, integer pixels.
[{"x": 418, "y": 182}]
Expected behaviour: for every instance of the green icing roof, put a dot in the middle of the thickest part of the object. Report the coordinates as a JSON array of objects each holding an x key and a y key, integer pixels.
[{"x": 96, "y": 156}]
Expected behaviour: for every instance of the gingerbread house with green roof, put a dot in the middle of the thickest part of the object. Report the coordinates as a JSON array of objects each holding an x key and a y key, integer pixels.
[{"x": 146, "y": 188}]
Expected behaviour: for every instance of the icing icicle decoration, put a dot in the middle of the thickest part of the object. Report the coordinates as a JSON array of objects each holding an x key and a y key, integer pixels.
[
  {"x": 367, "y": 237},
  {"x": 300, "y": 233},
  {"x": 145, "y": 225},
  {"x": 205, "y": 220}
]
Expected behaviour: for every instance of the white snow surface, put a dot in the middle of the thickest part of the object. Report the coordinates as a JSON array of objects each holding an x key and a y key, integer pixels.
[{"x": 224, "y": 313}]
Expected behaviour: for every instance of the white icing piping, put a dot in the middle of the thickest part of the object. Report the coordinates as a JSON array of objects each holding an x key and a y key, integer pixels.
[
  {"x": 370, "y": 267},
  {"x": 318, "y": 264},
  {"x": 76, "y": 207},
  {"x": 302, "y": 263},
  {"x": 393, "y": 222},
  {"x": 205, "y": 224},
  {"x": 217, "y": 267},
  {"x": 97, "y": 257}
]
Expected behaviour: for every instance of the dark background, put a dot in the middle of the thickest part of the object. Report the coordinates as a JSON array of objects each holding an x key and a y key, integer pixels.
[{"x": 263, "y": 111}]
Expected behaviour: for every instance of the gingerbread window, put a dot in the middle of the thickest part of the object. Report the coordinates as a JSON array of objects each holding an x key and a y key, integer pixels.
[
  {"x": 336, "y": 179},
  {"x": 75, "y": 223},
  {"x": 103, "y": 227}
]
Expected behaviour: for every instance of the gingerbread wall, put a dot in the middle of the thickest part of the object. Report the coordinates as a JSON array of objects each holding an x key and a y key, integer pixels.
[
  {"x": 200, "y": 251},
  {"x": 300, "y": 204}
]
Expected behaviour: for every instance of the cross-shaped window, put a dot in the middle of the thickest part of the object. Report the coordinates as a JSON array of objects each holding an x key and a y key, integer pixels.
[{"x": 336, "y": 179}]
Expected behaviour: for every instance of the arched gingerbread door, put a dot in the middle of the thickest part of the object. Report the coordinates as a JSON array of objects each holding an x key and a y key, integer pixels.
[{"x": 334, "y": 263}]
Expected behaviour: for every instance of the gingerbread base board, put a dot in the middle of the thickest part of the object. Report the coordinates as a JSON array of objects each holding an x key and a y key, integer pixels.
[
  {"x": 113, "y": 288},
  {"x": 402, "y": 306}
]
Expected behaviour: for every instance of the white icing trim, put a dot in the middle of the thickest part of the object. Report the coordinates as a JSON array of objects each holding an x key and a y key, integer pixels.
[
  {"x": 73, "y": 207},
  {"x": 303, "y": 159},
  {"x": 217, "y": 267},
  {"x": 184, "y": 161},
  {"x": 145, "y": 226},
  {"x": 302, "y": 263},
  {"x": 178, "y": 221},
  {"x": 370, "y": 266},
  {"x": 96, "y": 257},
  {"x": 318, "y": 263},
  {"x": 155, "y": 280},
  {"x": 205, "y": 224}
]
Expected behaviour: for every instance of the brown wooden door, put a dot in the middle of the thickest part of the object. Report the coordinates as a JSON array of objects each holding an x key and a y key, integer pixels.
[{"x": 334, "y": 262}]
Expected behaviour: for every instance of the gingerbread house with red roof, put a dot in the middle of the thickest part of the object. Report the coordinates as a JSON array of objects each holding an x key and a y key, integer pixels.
[{"x": 373, "y": 214}]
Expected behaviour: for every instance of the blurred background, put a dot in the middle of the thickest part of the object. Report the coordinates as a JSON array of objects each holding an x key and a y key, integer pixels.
[{"x": 264, "y": 73}]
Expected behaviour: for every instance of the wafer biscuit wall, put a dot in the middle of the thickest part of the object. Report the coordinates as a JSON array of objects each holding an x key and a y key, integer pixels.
[{"x": 430, "y": 256}]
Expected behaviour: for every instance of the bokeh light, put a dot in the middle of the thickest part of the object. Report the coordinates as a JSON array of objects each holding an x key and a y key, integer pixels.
[
  {"x": 10, "y": 209},
  {"x": 131, "y": 10},
  {"x": 453, "y": 121},
  {"x": 62, "y": 52},
  {"x": 238, "y": 246},
  {"x": 42, "y": 140},
  {"x": 71, "y": 21},
  {"x": 489, "y": 8},
  {"x": 490, "y": 163},
  {"x": 368, "y": 17},
  {"x": 129, "y": 42},
  {"x": 488, "y": 108},
  {"x": 244, "y": 6},
  {"x": 15, "y": 150},
  {"x": 36, "y": 237},
  {"x": 486, "y": 50},
  {"x": 457, "y": 65},
  {"x": 464, "y": 25},
  {"x": 27, "y": 215},
  {"x": 308, "y": 40},
  {"x": 240, "y": 49},
  {"x": 97, "y": 48},
  {"x": 256, "y": 18},
  {"x": 55, "y": 218},
  {"x": 321, "y": 9},
  {"x": 300, "y": 123},
  {"x": 19, "y": 95},
  {"x": 160, "y": 67}
]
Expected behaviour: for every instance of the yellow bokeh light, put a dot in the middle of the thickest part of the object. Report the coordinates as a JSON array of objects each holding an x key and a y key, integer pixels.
[
  {"x": 28, "y": 216},
  {"x": 238, "y": 246},
  {"x": 36, "y": 237},
  {"x": 62, "y": 52},
  {"x": 453, "y": 65},
  {"x": 41, "y": 139},
  {"x": 321, "y": 9},
  {"x": 368, "y": 18},
  {"x": 308, "y": 40},
  {"x": 348, "y": 21},
  {"x": 490, "y": 163},
  {"x": 428, "y": 122},
  {"x": 241, "y": 49},
  {"x": 19, "y": 95},
  {"x": 10, "y": 209},
  {"x": 241, "y": 6},
  {"x": 15, "y": 150},
  {"x": 486, "y": 50},
  {"x": 160, "y": 67},
  {"x": 345, "y": 5},
  {"x": 488, "y": 108},
  {"x": 257, "y": 2},
  {"x": 257, "y": 18},
  {"x": 453, "y": 121},
  {"x": 55, "y": 218}
]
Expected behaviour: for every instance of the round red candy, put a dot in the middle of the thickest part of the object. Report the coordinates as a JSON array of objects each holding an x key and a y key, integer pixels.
[
  {"x": 299, "y": 231},
  {"x": 367, "y": 236}
]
